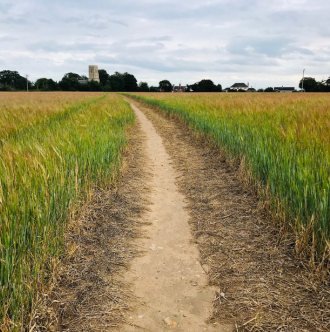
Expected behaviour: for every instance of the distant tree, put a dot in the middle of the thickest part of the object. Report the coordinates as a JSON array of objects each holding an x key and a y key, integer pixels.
[
  {"x": 70, "y": 82},
  {"x": 188, "y": 88},
  {"x": 14, "y": 80},
  {"x": 260, "y": 90},
  {"x": 94, "y": 86},
  {"x": 107, "y": 87},
  {"x": 327, "y": 82},
  {"x": 165, "y": 86},
  {"x": 269, "y": 89},
  {"x": 143, "y": 86},
  {"x": 72, "y": 75},
  {"x": 130, "y": 82},
  {"x": 310, "y": 84},
  {"x": 205, "y": 86},
  {"x": 117, "y": 82},
  {"x": 104, "y": 77},
  {"x": 45, "y": 84},
  {"x": 154, "y": 89},
  {"x": 195, "y": 87}
]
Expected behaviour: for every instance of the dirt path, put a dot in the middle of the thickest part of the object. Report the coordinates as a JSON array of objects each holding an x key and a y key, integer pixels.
[{"x": 168, "y": 280}]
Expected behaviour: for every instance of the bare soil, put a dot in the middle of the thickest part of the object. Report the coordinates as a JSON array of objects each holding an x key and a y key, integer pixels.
[{"x": 260, "y": 284}]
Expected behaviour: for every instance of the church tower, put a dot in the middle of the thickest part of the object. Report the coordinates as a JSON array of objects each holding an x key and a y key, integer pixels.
[{"x": 93, "y": 74}]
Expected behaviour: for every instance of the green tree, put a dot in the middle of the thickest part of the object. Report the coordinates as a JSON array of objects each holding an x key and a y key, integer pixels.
[
  {"x": 154, "y": 89},
  {"x": 45, "y": 84},
  {"x": 14, "y": 80},
  {"x": 69, "y": 83},
  {"x": 269, "y": 89},
  {"x": 72, "y": 76},
  {"x": 310, "y": 84},
  {"x": 207, "y": 86},
  {"x": 260, "y": 90},
  {"x": 104, "y": 77},
  {"x": 94, "y": 86},
  {"x": 195, "y": 87},
  {"x": 117, "y": 82},
  {"x": 130, "y": 82},
  {"x": 165, "y": 86},
  {"x": 144, "y": 87}
]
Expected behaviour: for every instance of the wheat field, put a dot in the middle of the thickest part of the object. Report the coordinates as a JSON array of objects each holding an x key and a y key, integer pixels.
[{"x": 54, "y": 148}]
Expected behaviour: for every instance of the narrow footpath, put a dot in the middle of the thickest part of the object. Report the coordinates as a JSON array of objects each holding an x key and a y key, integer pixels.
[{"x": 170, "y": 284}]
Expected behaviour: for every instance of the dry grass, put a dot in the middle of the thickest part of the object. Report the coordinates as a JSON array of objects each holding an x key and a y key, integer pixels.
[
  {"x": 21, "y": 109},
  {"x": 87, "y": 293},
  {"x": 262, "y": 286}
]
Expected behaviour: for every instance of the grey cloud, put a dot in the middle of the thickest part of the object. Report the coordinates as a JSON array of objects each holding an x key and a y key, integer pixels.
[
  {"x": 161, "y": 65},
  {"x": 15, "y": 21},
  {"x": 270, "y": 46},
  {"x": 8, "y": 38},
  {"x": 5, "y": 7},
  {"x": 199, "y": 39}
]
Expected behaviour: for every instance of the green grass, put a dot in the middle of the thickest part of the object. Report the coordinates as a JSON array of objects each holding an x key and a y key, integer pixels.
[{"x": 44, "y": 169}]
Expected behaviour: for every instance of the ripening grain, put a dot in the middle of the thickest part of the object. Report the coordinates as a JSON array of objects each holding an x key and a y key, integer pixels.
[
  {"x": 54, "y": 156},
  {"x": 284, "y": 139}
]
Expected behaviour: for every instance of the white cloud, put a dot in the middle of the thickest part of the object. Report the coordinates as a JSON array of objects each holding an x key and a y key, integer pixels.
[{"x": 265, "y": 42}]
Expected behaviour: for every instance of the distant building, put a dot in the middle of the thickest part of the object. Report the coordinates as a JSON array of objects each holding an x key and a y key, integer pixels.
[
  {"x": 251, "y": 90},
  {"x": 83, "y": 81},
  {"x": 94, "y": 74},
  {"x": 226, "y": 90},
  {"x": 179, "y": 88},
  {"x": 239, "y": 86},
  {"x": 284, "y": 89}
]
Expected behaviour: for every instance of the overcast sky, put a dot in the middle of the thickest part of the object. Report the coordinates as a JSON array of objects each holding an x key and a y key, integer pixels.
[{"x": 265, "y": 43}]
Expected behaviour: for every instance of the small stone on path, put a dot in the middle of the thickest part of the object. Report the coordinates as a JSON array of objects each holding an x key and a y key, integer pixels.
[{"x": 170, "y": 322}]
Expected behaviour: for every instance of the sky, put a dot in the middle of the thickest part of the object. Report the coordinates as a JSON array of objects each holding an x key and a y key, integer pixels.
[{"x": 263, "y": 43}]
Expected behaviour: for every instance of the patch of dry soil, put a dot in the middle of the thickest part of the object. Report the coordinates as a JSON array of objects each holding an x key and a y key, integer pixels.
[{"x": 170, "y": 284}]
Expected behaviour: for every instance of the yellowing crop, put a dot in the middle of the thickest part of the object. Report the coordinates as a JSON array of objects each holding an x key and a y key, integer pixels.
[{"x": 54, "y": 147}]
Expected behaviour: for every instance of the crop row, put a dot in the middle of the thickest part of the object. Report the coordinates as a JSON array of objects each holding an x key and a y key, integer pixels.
[{"x": 45, "y": 167}]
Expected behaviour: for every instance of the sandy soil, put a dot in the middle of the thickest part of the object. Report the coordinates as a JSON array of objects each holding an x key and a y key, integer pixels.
[{"x": 169, "y": 281}]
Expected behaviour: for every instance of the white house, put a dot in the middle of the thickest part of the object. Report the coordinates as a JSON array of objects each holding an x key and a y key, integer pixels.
[{"x": 239, "y": 86}]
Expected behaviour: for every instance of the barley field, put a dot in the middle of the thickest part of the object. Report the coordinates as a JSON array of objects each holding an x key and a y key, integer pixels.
[
  {"x": 283, "y": 141},
  {"x": 54, "y": 148}
]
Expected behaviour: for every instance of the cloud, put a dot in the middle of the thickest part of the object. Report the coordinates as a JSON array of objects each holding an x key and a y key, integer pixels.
[
  {"x": 219, "y": 39},
  {"x": 7, "y": 38},
  {"x": 5, "y": 7}
]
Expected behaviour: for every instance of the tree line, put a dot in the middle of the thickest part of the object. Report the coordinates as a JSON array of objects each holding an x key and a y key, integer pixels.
[
  {"x": 309, "y": 84},
  {"x": 13, "y": 81},
  {"x": 125, "y": 82},
  {"x": 119, "y": 82}
]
